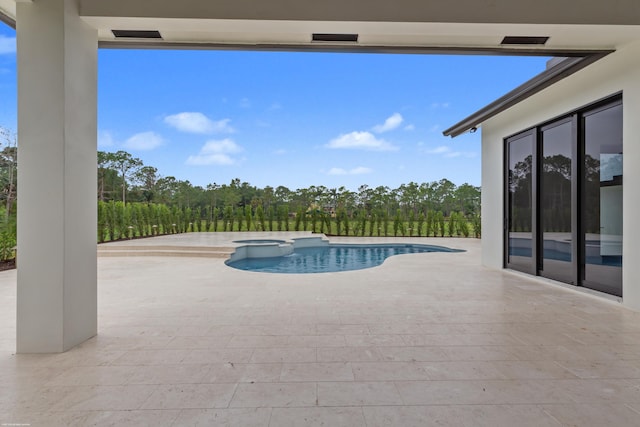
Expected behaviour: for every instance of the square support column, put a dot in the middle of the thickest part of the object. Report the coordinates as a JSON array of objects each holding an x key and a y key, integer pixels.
[{"x": 57, "y": 131}]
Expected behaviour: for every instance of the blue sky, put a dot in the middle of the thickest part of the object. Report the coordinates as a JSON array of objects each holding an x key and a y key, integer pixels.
[{"x": 292, "y": 119}]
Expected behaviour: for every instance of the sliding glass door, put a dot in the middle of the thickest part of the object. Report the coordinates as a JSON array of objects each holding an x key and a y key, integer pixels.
[
  {"x": 556, "y": 196},
  {"x": 602, "y": 199},
  {"x": 563, "y": 198},
  {"x": 520, "y": 243}
]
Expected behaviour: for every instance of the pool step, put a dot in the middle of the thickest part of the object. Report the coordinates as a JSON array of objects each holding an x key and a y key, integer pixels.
[{"x": 164, "y": 250}]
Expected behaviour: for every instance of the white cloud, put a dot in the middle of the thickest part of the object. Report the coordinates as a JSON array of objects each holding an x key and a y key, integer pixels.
[
  {"x": 280, "y": 151},
  {"x": 216, "y": 152},
  {"x": 221, "y": 146},
  {"x": 194, "y": 122},
  {"x": 210, "y": 159},
  {"x": 362, "y": 141},
  {"x": 391, "y": 123},
  {"x": 447, "y": 152},
  {"x": 144, "y": 141},
  {"x": 440, "y": 105},
  {"x": 360, "y": 170},
  {"x": 245, "y": 103},
  {"x": 409, "y": 127},
  {"x": 440, "y": 150},
  {"x": 105, "y": 139},
  {"x": 7, "y": 45}
]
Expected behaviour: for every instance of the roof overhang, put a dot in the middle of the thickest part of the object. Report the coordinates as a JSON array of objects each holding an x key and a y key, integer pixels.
[{"x": 554, "y": 74}]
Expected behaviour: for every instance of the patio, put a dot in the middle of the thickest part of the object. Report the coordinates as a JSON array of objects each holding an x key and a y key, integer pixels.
[{"x": 425, "y": 339}]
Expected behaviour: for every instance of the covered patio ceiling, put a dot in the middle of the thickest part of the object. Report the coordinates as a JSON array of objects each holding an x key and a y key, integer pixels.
[{"x": 462, "y": 26}]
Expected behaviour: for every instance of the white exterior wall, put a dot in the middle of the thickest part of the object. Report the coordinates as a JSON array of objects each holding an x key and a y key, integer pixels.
[{"x": 618, "y": 72}]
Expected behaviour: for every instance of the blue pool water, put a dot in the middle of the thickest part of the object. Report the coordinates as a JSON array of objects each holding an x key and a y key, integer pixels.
[
  {"x": 332, "y": 258},
  {"x": 259, "y": 241}
]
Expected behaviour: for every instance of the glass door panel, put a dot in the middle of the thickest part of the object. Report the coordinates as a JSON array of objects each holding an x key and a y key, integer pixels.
[
  {"x": 602, "y": 200},
  {"x": 520, "y": 249},
  {"x": 556, "y": 201}
]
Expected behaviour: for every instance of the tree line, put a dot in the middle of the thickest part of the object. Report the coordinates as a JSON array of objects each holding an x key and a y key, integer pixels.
[{"x": 173, "y": 206}]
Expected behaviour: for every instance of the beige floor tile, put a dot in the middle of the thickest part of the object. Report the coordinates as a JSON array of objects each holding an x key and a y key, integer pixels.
[
  {"x": 316, "y": 371},
  {"x": 551, "y": 352},
  {"x": 316, "y": 341},
  {"x": 340, "y": 329},
  {"x": 390, "y": 371},
  {"x": 228, "y": 355},
  {"x": 235, "y": 417},
  {"x": 531, "y": 370},
  {"x": 94, "y": 375},
  {"x": 257, "y": 341},
  {"x": 358, "y": 394},
  {"x": 102, "y": 398},
  {"x": 151, "y": 357},
  {"x": 260, "y": 395},
  {"x": 244, "y": 373},
  {"x": 348, "y": 354},
  {"x": 412, "y": 354},
  {"x": 373, "y": 340},
  {"x": 170, "y": 374},
  {"x": 461, "y": 339},
  {"x": 458, "y": 416},
  {"x": 599, "y": 391},
  {"x": 284, "y": 354},
  {"x": 593, "y": 415},
  {"x": 198, "y": 342},
  {"x": 181, "y": 396},
  {"x": 479, "y": 392},
  {"x": 396, "y": 328},
  {"x": 126, "y": 418},
  {"x": 288, "y": 329},
  {"x": 606, "y": 369},
  {"x": 27, "y": 376},
  {"x": 487, "y": 352},
  {"x": 317, "y": 417},
  {"x": 476, "y": 370},
  {"x": 230, "y": 330}
]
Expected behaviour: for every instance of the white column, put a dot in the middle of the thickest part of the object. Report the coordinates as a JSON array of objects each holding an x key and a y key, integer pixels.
[{"x": 57, "y": 127}]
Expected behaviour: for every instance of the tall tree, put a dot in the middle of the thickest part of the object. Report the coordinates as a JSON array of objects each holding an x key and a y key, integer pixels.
[
  {"x": 126, "y": 165},
  {"x": 147, "y": 177},
  {"x": 9, "y": 162}
]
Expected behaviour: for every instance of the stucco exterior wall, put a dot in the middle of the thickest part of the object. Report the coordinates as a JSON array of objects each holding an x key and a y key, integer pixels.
[{"x": 618, "y": 72}]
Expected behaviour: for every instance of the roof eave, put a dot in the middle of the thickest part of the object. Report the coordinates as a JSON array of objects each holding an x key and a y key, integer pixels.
[{"x": 542, "y": 81}]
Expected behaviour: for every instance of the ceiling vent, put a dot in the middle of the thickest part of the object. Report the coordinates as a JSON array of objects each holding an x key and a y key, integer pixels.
[
  {"x": 136, "y": 34},
  {"x": 524, "y": 40},
  {"x": 340, "y": 38}
]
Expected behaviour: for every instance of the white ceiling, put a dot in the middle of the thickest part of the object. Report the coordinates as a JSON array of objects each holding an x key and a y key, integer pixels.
[
  {"x": 479, "y": 23},
  {"x": 198, "y": 31}
]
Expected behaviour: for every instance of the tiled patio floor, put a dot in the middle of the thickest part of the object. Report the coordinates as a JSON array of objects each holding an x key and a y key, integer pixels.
[{"x": 425, "y": 339}]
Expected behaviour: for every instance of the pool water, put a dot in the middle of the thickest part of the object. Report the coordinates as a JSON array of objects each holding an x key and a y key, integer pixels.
[
  {"x": 332, "y": 258},
  {"x": 259, "y": 241}
]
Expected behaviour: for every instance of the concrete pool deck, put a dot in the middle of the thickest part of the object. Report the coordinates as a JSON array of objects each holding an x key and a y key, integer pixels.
[{"x": 424, "y": 339}]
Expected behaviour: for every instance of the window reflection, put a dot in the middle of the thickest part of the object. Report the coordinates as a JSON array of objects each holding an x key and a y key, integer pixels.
[
  {"x": 520, "y": 202},
  {"x": 556, "y": 202},
  {"x": 602, "y": 217}
]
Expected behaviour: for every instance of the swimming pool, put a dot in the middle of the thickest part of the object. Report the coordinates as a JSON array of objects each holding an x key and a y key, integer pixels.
[
  {"x": 332, "y": 258},
  {"x": 258, "y": 241}
]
